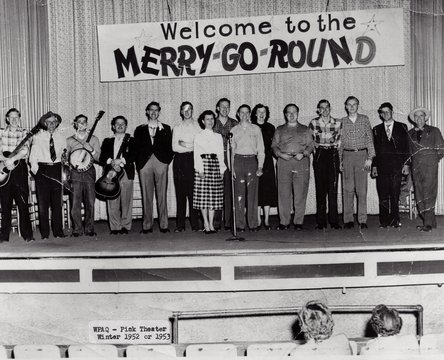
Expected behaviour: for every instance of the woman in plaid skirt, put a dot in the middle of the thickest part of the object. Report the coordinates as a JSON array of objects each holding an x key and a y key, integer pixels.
[{"x": 209, "y": 168}]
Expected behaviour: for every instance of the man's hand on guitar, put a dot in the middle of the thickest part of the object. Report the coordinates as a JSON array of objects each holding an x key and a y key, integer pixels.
[{"x": 9, "y": 163}]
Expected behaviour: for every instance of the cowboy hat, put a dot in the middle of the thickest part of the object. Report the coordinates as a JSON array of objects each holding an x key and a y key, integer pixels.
[{"x": 423, "y": 109}]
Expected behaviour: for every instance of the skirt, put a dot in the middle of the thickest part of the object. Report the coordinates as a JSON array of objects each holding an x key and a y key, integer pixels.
[{"x": 209, "y": 191}]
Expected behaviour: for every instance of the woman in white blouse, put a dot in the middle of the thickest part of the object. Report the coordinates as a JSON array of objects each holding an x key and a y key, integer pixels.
[{"x": 209, "y": 168}]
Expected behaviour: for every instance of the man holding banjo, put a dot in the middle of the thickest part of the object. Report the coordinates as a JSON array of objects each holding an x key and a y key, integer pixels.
[{"x": 83, "y": 149}]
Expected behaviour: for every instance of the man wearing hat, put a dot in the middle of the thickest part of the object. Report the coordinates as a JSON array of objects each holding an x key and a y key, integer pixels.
[
  {"x": 427, "y": 149},
  {"x": 45, "y": 160},
  {"x": 390, "y": 163}
]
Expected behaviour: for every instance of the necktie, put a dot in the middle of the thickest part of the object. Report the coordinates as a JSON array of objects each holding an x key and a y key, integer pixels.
[
  {"x": 52, "y": 151},
  {"x": 389, "y": 133}
]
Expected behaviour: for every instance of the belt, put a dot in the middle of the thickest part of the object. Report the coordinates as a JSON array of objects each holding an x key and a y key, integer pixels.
[
  {"x": 244, "y": 156},
  {"x": 323, "y": 147},
  {"x": 49, "y": 163},
  {"x": 208, "y": 156},
  {"x": 355, "y": 150}
]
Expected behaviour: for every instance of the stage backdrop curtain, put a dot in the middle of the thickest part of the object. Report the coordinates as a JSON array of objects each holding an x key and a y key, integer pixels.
[
  {"x": 76, "y": 87},
  {"x": 24, "y": 79},
  {"x": 427, "y": 75}
]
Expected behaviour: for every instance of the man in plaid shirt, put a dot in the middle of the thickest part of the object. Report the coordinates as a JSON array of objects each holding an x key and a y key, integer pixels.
[
  {"x": 327, "y": 135},
  {"x": 356, "y": 152},
  {"x": 17, "y": 188}
]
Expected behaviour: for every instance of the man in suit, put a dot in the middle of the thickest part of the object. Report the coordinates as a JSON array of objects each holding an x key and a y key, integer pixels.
[
  {"x": 118, "y": 154},
  {"x": 390, "y": 163},
  {"x": 153, "y": 142},
  {"x": 427, "y": 149}
]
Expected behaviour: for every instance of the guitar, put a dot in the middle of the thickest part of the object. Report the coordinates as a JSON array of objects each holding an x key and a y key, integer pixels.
[
  {"x": 81, "y": 159},
  {"x": 108, "y": 185},
  {"x": 5, "y": 173}
]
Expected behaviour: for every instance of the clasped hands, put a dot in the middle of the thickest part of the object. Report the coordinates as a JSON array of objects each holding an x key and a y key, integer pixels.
[{"x": 286, "y": 156}]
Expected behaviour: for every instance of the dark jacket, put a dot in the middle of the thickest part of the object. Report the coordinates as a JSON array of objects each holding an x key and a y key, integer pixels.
[
  {"x": 391, "y": 154},
  {"x": 128, "y": 154},
  {"x": 162, "y": 147},
  {"x": 430, "y": 150}
]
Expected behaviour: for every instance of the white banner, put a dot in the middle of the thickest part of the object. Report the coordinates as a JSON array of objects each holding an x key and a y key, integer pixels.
[{"x": 214, "y": 47}]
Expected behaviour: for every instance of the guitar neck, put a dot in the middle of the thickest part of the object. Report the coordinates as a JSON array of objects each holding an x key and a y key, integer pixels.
[
  {"x": 91, "y": 132},
  {"x": 122, "y": 146},
  {"x": 25, "y": 140}
]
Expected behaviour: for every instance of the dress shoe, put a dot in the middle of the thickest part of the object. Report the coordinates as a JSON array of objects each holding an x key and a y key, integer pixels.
[
  {"x": 267, "y": 227},
  {"x": 114, "y": 232},
  {"x": 349, "y": 225},
  {"x": 179, "y": 229},
  {"x": 298, "y": 227},
  {"x": 240, "y": 230},
  {"x": 397, "y": 225},
  {"x": 90, "y": 233},
  {"x": 164, "y": 231},
  {"x": 426, "y": 228},
  {"x": 363, "y": 226},
  {"x": 336, "y": 226},
  {"x": 255, "y": 229},
  {"x": 124, "y": 231},
  {"x": 195, "y": 229},
  {"x": 383, "y": 226},
  {"x": 75, "y": 234},
  {"x": 320, "y": 227},
  {"x": 45, "y": 238},
  {"x": 146, "y": 231},
  {"x": 282, "y": 227},
  {"x": 60, "y": 236},
  {"x": 227, "y": 228},
  {"x": 29, "y": 239}
]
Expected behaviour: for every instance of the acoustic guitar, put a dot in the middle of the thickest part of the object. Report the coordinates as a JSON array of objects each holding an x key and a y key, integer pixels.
[
  {"x": 108, "y": 185},
  {"x": 81, "y": 159},
  {"x": 5, "y": 173}
]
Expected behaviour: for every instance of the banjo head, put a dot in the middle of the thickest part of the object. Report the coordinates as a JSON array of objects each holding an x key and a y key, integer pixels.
[{"x": 80, "y": 160}]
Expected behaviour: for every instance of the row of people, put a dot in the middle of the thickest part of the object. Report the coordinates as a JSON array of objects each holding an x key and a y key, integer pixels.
[{"x": 202, "y": 172}]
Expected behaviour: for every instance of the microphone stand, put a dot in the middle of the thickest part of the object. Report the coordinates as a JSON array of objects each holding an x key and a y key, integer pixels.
[{"x": 233, "y": 223}]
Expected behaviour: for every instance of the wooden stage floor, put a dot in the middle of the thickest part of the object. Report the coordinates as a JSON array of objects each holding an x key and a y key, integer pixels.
[{"x": 190, "y": 243}]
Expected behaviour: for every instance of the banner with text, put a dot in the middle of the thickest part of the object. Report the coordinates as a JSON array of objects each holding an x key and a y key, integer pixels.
[{"x": 214, "y": 47}]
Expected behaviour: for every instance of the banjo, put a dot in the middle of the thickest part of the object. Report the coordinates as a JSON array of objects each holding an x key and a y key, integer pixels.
[{"x": 81, "y": 159}]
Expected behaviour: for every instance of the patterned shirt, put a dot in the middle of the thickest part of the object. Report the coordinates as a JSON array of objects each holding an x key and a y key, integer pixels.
[
  {"x": 247, "y": 140},
  {"x": 357, "y": 135},
  {"x": 9, "y": 139},
  {"x": 224, "y": 130},
  {"x": 326, "y": 133}
]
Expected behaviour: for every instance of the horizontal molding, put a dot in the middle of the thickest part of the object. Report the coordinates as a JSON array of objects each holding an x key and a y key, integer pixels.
[{"x": 159, "y": 274}]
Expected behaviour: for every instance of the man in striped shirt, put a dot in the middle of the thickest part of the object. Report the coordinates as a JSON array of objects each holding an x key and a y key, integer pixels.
[
  {"x": 326, "y": 133},
  {"x": 356, "y": 153}
]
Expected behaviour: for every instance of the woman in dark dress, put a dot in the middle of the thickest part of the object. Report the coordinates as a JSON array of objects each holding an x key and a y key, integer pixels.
[{"x": 267, "y": 182}]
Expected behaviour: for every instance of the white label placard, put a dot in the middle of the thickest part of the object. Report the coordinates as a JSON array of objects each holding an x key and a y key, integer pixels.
[{"x": 130, "y": 332}]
